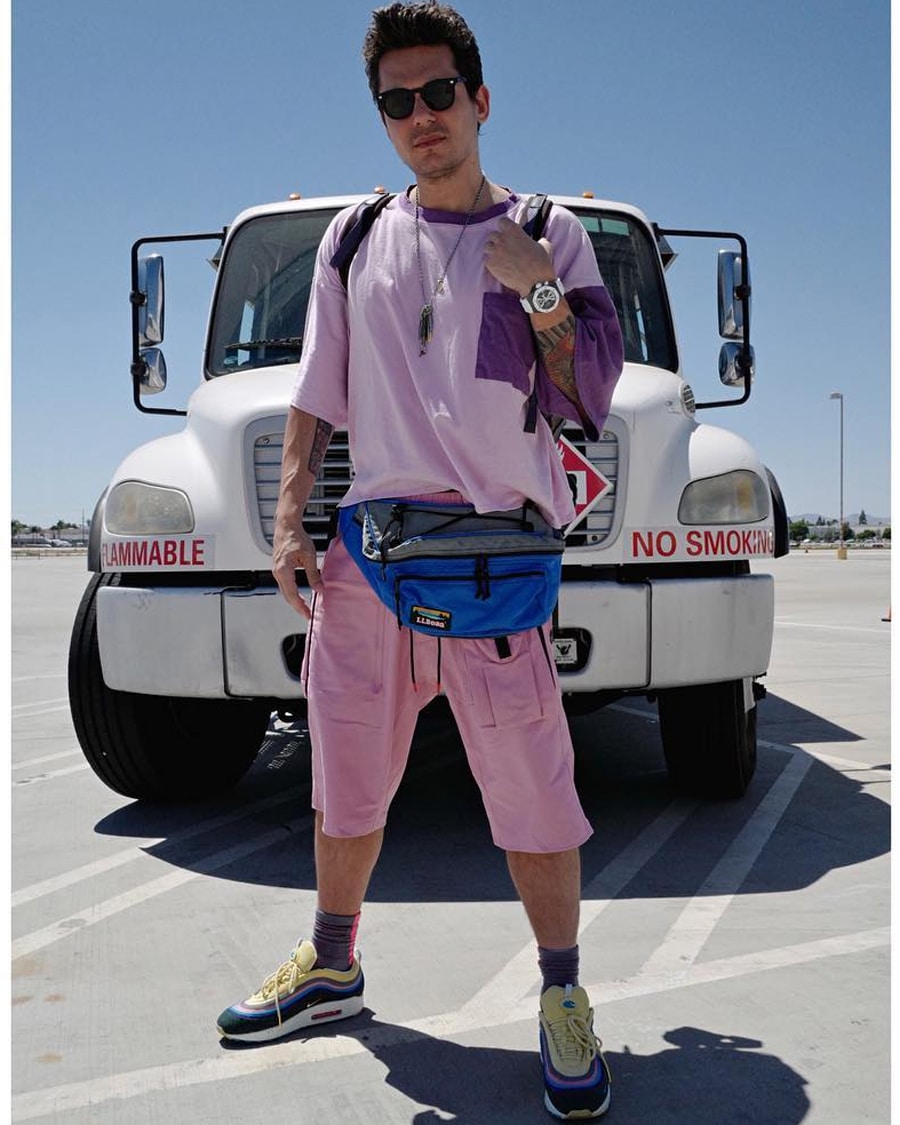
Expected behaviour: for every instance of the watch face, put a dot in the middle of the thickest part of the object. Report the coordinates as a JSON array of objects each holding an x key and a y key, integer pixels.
[{"x": 545, "y": 298}]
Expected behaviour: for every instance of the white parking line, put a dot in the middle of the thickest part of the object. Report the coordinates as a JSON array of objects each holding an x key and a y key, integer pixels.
[
  {"x": 94, "y": 1092},
  {"x": 31, "y": 762},
  {"x": 520, "y": 974},
  {"x": 49, "y": 775},
  {"x": 851, "y": 765},
  {"x": 90, "y": 916},
  {"x": 79, "y": 874},
  {"x": 638, "y": 712},
  {"x": 176, "y": 839},
  {"x": 781, "y": 621},
  {"x": 690, "y": 932},
  {"x": 39, "y": 703},
  {"x": 75, "y": 923},
  {"x": 41, "y": 707},
  {"x": 681, "y": 946},
  {"x": 726, "y": 968}
]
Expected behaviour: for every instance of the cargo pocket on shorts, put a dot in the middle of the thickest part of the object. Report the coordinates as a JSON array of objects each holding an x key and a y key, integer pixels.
[{"x": 508, "y": 692}]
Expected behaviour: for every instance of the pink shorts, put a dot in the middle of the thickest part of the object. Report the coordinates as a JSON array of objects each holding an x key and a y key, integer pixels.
[{"x": 366, "y": 683}]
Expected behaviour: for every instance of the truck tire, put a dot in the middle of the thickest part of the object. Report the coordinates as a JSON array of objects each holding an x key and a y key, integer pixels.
[
  {"x": 709, "y": 739},
  {"x": 154, "y": 747}
]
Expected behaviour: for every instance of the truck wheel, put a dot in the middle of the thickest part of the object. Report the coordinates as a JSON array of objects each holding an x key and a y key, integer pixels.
[
  {"x": 709, "y": 739},
  {"x": 155, "y": 747}
]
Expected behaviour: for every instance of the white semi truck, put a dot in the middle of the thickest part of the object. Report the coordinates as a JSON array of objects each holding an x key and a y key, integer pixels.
[{"x": 182, "y": 646}]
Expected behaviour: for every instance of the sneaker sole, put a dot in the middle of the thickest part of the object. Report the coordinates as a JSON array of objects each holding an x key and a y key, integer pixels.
[
  {"x": 577, "y": 1113},
  {"x": 310, "y": 1017}
]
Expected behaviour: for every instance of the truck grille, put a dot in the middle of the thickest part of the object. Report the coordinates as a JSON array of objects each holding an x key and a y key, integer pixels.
[
  {"x": 337, "y": 472},
  {"x": 332, "y": 482}
]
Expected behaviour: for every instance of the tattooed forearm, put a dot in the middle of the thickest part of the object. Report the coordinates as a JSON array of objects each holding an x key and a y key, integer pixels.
[
  {"x": 321, "y": 438},
  {"x": 557, "y": 348}
]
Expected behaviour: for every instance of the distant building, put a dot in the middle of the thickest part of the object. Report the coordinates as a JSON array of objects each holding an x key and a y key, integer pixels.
[{"x": 70, "y": 536}]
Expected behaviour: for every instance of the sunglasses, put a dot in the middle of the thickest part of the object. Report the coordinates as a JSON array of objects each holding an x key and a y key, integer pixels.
[{"x": 438, "y": 94}]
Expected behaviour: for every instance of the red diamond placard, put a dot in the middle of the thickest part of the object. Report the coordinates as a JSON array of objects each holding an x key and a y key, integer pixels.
[{"x": 587, "y": 483}]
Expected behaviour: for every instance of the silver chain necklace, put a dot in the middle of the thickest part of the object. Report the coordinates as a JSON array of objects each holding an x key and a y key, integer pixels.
[{"x": 426, "y": 316}]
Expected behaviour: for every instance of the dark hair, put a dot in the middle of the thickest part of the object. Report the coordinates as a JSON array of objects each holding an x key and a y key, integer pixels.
[{"x": 425, "y": 24}]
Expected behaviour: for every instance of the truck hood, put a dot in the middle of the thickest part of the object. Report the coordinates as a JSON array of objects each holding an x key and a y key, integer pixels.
[
  {"x": 236, "y": 399},
  {"x": 643, "y": 389}
]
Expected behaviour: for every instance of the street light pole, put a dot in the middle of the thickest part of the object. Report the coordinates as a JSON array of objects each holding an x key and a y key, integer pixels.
[{"x": 842, "y": 550}]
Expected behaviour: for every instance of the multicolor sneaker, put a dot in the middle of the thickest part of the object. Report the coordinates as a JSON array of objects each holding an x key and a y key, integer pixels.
[
  {"x": 296, "y": 995},
  {"x": 576, "y": 1077}
]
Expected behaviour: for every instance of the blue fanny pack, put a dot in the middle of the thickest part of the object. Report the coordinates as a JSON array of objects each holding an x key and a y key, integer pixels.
[{"x": 450, "y": 571}]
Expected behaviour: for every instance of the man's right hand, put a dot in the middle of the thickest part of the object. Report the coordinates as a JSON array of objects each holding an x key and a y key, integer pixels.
[{"x": 290, "y": 553}]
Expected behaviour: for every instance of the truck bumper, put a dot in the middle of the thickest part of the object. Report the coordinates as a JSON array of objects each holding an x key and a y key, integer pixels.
[
  {"x": 230, "y": 642},
  {"x": 665, "y": 632},
  {"x": 636, "y": 636}
]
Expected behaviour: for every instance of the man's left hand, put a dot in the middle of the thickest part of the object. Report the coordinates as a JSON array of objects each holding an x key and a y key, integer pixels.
[{"x": 516, "y": 260}]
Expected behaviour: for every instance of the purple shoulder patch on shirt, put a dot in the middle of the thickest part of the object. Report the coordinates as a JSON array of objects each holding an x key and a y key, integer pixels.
[{"x": 506, "y": 349}]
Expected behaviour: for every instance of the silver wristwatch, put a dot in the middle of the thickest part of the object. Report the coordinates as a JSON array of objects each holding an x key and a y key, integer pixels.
[{"x": 544, "y": 297}]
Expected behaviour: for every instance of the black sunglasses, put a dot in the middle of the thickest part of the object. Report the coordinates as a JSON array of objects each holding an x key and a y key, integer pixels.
[{"x": 438, "y": 94}]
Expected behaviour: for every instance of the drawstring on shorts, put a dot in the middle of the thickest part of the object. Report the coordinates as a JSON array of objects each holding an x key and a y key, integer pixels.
[{"x": 412, "y": 660}]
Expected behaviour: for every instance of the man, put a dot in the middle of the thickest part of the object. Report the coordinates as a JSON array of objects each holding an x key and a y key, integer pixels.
[{"x": 429, "y": 359}]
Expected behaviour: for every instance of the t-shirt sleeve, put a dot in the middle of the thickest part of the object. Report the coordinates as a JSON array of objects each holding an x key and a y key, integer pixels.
[
  {"x": 599, "y": 350},
  {"x": 321, "y": 385}
]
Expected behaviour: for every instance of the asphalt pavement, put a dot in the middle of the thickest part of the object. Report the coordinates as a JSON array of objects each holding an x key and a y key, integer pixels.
[{"x": 736, "y": 953}]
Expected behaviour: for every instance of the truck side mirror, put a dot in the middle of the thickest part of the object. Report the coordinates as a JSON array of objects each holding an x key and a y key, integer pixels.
[
  {"x": 148, "y": 368},
  {"x": 150, "y": 300},
  {"x": 733, "y": 363},
  {"x": 734, "y": 295},
  {"x": 152, "y": 374}
]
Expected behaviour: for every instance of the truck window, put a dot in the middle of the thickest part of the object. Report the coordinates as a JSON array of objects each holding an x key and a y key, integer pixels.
[
  {"x": 260, "y": 308},
  {"x": 630, "y": 267}
]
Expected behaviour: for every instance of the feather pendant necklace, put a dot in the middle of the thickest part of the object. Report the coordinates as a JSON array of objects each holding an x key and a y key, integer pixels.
[{"x": 426, "y": 316}]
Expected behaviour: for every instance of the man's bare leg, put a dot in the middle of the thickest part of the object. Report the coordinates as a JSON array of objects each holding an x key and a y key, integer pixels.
[
  {"x": 285, "y": 1003},
  {"x": 576, "y": 1076},
  {"x": 344, "y": 866},
  {"x": 549, "y": 885}
]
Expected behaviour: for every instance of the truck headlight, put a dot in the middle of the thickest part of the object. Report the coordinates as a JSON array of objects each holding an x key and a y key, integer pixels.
[
  {"x": 737, "y": 497},
  {"x": 135, "y": 508}
]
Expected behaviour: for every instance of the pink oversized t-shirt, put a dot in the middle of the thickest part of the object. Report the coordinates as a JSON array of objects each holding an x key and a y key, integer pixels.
[{"x": 453, "y": 418}]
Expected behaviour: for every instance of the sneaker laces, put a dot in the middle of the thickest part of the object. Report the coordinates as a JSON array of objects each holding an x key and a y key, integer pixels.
[
  {"x": 283, "y": 981},
  {"x": 573, "y": 1037}
]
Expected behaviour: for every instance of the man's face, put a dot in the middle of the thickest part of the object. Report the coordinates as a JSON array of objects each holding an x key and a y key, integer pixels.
[{"x": 432, "y": 143}]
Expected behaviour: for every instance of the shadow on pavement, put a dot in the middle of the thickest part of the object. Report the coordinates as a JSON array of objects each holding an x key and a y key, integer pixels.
[
  {"x": 438, "y": 846},
  {"x": 702, "y": 1077}
]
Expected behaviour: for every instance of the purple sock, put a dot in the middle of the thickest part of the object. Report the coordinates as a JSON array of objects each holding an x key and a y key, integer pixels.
[
  {"x": 558, "y": 966},
  {"x": 334, "y": 936}
]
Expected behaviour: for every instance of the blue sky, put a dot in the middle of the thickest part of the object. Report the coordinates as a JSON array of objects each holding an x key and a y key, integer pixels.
[{"x": 770, "y": 118}]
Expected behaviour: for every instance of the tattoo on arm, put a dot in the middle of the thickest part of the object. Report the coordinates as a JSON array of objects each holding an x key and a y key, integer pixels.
[
  {"x": 557, "y": 348},
  {"x": 321, "y": 438}
]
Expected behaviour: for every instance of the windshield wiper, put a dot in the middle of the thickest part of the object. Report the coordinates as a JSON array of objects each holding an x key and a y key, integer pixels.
[{"x": 249, "y": 345}]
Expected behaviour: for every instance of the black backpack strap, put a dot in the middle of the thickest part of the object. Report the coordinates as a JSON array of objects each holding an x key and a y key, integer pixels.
[
  {"x": 536, "y": 211},
  {"x": 355, "y": 232}
]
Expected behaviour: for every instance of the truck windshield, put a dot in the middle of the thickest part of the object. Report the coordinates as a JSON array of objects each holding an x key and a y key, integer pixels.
[
  {"x": 264, "y": 290},
  {"x": 631, "y": 268},
  {"x": 261, "y": 302}
]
